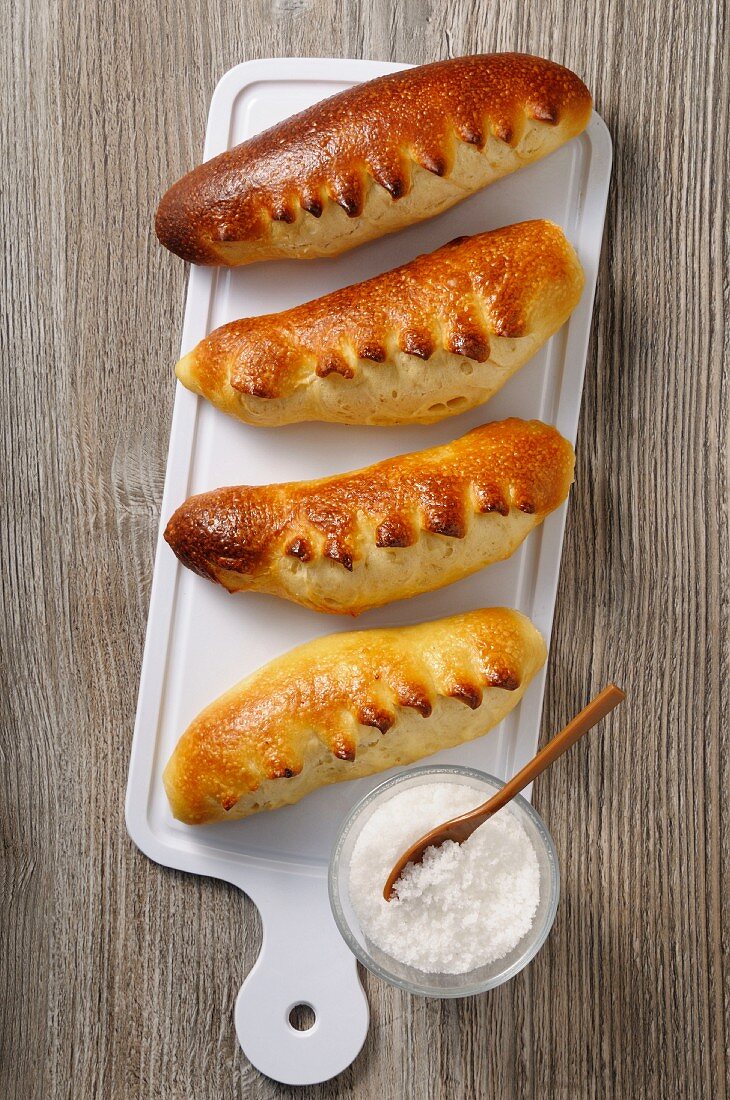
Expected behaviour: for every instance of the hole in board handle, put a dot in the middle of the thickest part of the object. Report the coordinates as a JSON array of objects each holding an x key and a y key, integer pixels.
[{"x": 302, "y": 1017}]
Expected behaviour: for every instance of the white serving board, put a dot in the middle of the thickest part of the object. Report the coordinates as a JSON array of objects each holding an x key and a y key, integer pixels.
[{"x": 200, "y": 640}]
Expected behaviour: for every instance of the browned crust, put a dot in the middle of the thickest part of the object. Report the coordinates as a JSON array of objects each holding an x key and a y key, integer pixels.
[
  {"x": 458, "y": 297},
  {"x": 374, "y": 131},
  {"x": 253, "y": 733},
  {"x": 509, "y": 464}
]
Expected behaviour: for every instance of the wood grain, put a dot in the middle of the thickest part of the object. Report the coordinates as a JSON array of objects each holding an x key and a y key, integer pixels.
[{"x": 119, "y": 977}]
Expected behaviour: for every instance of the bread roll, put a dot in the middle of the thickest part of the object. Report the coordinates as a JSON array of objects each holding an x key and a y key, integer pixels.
[
  {"x": 348, "y": 705},
  {"x": 396, "y": 529},
  {"x": 375, "y": 158},
  {"x": 475, "y": 310}
]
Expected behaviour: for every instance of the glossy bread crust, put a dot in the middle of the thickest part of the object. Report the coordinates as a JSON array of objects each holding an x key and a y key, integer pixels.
[
  {"x": 349, "y": 705},
  {"x": 436, "y": 336},
  {"x": 369, "y": 160},
  {"x": 396, "y": 529}
]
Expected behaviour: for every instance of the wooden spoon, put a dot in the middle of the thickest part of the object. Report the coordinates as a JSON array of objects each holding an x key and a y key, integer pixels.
[{"x": 461, "y": 828}]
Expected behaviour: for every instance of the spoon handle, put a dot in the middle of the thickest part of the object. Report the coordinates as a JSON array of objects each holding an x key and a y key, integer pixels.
[
  {"x": 460, "y": 828},
  {"x": 597, "y": 709}
]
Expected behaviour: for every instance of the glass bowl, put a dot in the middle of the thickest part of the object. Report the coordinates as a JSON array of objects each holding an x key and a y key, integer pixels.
[{"x": 408, "y": 977}]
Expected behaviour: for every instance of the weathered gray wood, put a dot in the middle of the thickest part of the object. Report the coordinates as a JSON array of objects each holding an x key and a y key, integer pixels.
[{"x": 120, "y": 976}]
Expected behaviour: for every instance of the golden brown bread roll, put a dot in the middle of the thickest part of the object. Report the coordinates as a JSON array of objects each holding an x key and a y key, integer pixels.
[
  {"x": 392, "y": 530},
  {"x": 375, "y": 158},
  {"x": 348, "y": 705},
  {"x": 476, "y": 310}
]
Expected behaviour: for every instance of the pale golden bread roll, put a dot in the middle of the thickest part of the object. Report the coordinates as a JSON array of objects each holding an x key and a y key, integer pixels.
[
  {"x": 396, "y": 529},
  {"x": 372, "y": 159},
  {"x": 475, "y": 311},
  {"x": 348, "y": 705}
]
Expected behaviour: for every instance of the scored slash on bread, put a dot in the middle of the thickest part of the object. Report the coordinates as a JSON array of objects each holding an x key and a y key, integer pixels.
[
  {"x": 349, "y": 705},
  {"x": 392, "y": 530},
  {"x": 379, "y": 156},
  {"x": 434, "y": 337}
]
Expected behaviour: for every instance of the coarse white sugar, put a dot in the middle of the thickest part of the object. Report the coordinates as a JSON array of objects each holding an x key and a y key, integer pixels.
[{"x": 465, "y": 905}]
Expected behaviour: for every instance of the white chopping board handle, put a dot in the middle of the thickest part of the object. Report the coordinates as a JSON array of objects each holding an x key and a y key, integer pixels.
[{"x": 303, "y": 960}]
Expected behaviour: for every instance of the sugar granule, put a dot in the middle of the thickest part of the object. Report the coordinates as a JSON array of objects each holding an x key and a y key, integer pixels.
[{"x": 465, "y": 905}]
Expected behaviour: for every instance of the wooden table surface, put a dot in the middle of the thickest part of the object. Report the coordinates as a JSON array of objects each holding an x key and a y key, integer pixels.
[{"x": 120, "y": 976}]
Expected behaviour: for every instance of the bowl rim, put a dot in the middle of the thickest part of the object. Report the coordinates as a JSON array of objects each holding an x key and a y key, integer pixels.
[{"x": 361, "y": 953}]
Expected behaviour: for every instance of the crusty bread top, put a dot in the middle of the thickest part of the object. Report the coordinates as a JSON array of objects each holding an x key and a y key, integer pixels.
[
  {"x": 378, "y": 129},
  {"x": 508, "y": 464},
  {"x": 315, "y": 704},
  {"x": 458, "y": 298}
]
